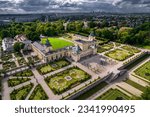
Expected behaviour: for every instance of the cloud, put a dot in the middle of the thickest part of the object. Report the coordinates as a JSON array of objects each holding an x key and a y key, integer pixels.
[{"x": 28, "y": 6}]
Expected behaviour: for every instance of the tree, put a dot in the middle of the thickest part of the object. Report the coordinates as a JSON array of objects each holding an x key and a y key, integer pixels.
[
  {"x": 18, "y": 46},
  {"x": 5, "y": 33},
  {"x": 146, "y": 94}
]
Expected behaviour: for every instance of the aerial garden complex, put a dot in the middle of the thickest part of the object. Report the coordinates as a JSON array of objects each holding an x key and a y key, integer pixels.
[{"x": 71, "y": 66}]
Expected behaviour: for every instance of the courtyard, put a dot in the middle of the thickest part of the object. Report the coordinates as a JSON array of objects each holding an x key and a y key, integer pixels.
[
  {"x": 57, "y": 43},
  {"x": 67, "y": 79}
]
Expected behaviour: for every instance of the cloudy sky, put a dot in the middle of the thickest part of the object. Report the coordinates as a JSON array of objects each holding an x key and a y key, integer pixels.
[{"x": 40, "y": 6}]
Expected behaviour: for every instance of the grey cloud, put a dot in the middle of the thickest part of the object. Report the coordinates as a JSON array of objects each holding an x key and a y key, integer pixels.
[{"x": 75, "y": 5}]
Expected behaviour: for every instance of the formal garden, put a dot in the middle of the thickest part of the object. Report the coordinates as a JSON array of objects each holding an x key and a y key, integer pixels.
[
  {"x": 16, "y": 81},
  {"x": 131, "y": 49},
  {"x": 144, "y": 71},
  {"x": 106, "y": 47},
  {"x": 6, "y": 56},
  {"x": 119, "y": 54},
  {"x": 52, "y": 66},
  {"x": 113, "y": 94},
  {"x": 33, "y": 59},
  {"x": 21, "y": 93},
  {"x": 21, "y": 61},
  {"x": 7, "y": 65},
  {"x": 38, "y": 94},
  {"x": 57, "y": 43},
  {"x": 66, "y": 80},
  {"x": 25, "y": 73}
]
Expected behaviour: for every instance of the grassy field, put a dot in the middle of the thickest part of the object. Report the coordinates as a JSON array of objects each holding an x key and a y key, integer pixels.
[
  {"x": 131, "y": 49},
  {"x": 113, "y": 94},
  {"x": 136, "y": 85},
  {"x": 144, "y": 71},
  {"x": 62, "y": 81},
  {"x": 57, "y": 43},
  {"x": 91, "y": 91},
  {"x": 119, "y": 54},
  {"x": 38, "y": 94}
]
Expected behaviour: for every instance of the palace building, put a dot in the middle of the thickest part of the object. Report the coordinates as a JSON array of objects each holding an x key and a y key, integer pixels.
[{"x": 83, "y": 47}]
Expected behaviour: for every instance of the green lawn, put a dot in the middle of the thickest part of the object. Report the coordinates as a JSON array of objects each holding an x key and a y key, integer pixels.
[
  {"x": 131, "y": 49},
  {"x": 57, "y": 43},
  {"x": 113, "y": 94},
  {"x": 62, "y": 81},
  {"x": 17, "y": 81},
  {"x": 136, "y": 85},
  {"x": 119, "y": 54},
  {"x": 91, "y": 91},
  {"x": 21, "y": 93},
  {"x": 38, "y": 94},
  {"x": 144, "y": 71}
]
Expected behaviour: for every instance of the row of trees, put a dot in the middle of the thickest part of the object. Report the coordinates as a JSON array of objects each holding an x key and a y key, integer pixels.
[
  {"x": 138, "y": 35},
  {"x": 33, "y": 29}
]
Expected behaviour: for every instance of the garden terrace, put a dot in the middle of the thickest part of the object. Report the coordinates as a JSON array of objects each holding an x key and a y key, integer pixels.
[
  {"x": 47, "y": 68},
  {"x": 131, "y": 49},
  {"x": 57, "y": 43},
  {"x": 106, "y": 47},
  {"x": 21, "y": 93},
  {"x": 113, "y": 94},
  {"x": 144, "y": 71},
  {"x": 38, "y": 94},
  {"x": 26, "y": 73},
  {"x": 9, "y": 65},
  {"x": 16, "y": 81},
  {"x": 66, "y": 80},
  {"x": 119, "y": 54}
]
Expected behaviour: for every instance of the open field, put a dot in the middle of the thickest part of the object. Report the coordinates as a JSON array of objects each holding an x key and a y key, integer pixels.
[
  {"x": 113, "y": 94},
  {"x": 66, "y": 80},
  {"x": 119, "y": 54},
  {"x": 144, "y": 71},
  {"x": 57, "y": 43}
]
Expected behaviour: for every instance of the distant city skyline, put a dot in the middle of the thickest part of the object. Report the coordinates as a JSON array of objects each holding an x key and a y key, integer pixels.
[{"x": 47, "y": 6}]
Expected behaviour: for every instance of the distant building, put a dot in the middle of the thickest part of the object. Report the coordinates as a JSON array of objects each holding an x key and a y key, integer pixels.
[{"x": 7, "y": 44}]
